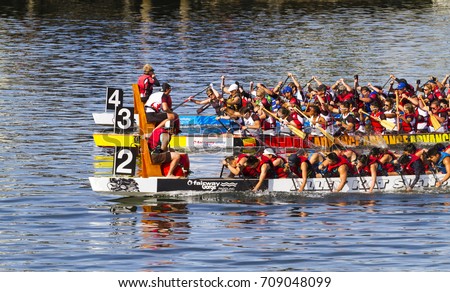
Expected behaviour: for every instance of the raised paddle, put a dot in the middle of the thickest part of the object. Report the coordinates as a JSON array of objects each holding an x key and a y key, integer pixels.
[
  {"x": 322, "y": 130},
  {"x": 397, "y": 104},
  {"x": 386, "y": 124},
  {"x": 189, "y": 98},
  {"x": 293, "y": 129},
  {"x": 434, "y": 121},
  {"x": 386, "y": 82}
]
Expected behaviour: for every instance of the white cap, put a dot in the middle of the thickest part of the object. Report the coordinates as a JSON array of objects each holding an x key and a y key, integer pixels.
[
  {"x": 233, "y": 87},
  {"x": 269, "y": 151}
]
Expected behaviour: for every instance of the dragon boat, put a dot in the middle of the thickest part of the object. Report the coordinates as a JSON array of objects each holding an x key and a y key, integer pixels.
[{"x": 145, "y": 178}]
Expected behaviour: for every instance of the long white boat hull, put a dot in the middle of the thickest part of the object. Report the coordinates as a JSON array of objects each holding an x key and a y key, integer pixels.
[{"x": 154, "y": 185}]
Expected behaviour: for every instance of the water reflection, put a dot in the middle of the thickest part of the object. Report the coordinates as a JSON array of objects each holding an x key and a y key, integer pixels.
[{"x": 162, "y": 224}]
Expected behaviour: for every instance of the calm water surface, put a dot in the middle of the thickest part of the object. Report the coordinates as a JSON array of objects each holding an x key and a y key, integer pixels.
[{"x": 54, "y": 69}]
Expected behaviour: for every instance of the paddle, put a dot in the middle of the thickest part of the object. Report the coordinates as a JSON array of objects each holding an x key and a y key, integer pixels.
[
  {"x": 189, "y": 98},
  {"x": 386, "y": 124},
  {"x": 397, "y": 103},
  {"x": 221, "y": 172},
  {"x": 386, "y": 82},
  {"x": 201, "y": 109},
  {"x": 400, "y": 172},
  {"x": 223, "y": 125},
  {"x": 434, "y": 121},
  {"x": 322, "y": 130},
  {"x": 282, "y": 84},
  {"x": 361, "y": 178},
  {"x": 328, "y": 182},
  {"x": 293, "y": 129},
  {"x": 205, "y": 106}
]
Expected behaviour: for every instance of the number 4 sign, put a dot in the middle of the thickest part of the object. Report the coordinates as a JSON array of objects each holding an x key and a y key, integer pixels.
[
  {"x": 114, "y": 98},
  {"x": 125, "y": 161}
]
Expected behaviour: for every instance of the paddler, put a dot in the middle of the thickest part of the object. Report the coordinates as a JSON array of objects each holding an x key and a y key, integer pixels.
[
  {"x": 337, "y": 166},
  {"x": 159, "y": 108},
  {"x": 158, "y": 144},
  {"x": 411, "y": 165},
  {"x": 214, "y": 98},
  {"x": 441, "y": 162},
  {"x": 301, "y": 167}
]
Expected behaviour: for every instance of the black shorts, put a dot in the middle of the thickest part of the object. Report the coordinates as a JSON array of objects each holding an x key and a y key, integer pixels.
[
  {"x": 160, "y": 158},
  {"x": 156, "y": 117}
]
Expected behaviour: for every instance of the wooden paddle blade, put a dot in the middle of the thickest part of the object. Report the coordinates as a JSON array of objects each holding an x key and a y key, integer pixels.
[
  {"x": 297, "y": 131},
  {"x": 387, "y": 124},
  {"x": 434, "y": 122},
  {"x": 326, "y": 134}
]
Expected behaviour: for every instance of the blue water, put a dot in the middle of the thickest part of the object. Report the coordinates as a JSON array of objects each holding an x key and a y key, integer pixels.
[{"x": 54, "y": 69}]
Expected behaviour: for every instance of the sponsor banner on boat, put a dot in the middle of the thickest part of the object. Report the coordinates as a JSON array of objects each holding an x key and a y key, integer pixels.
[{"x": 208, "y": 185}]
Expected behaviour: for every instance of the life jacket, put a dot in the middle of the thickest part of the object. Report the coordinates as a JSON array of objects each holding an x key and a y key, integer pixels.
[
  {"x": 279, "y": 170},
  {"x": 235, "y": 107},
  {"x": 407, "y": 169},
  {"x": 154, "y": 141},
  {"x": 440, "y": 164},
  {"x": 263, "y": 160},
  {"x": 437, "y": 93},
  {"x": 295, "y": 118},
  {"x": 411, "y": 126},
  {"x": 388, "y": 166},
  {"x": 246, "y": 171},
  {"x": 376, "y": 125},
  {"x": 365, "y": 170},
  {"x": 332, "y": 169},
  {"x": 297, "y": 169},
  {"x": 145, "y": 84}
]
